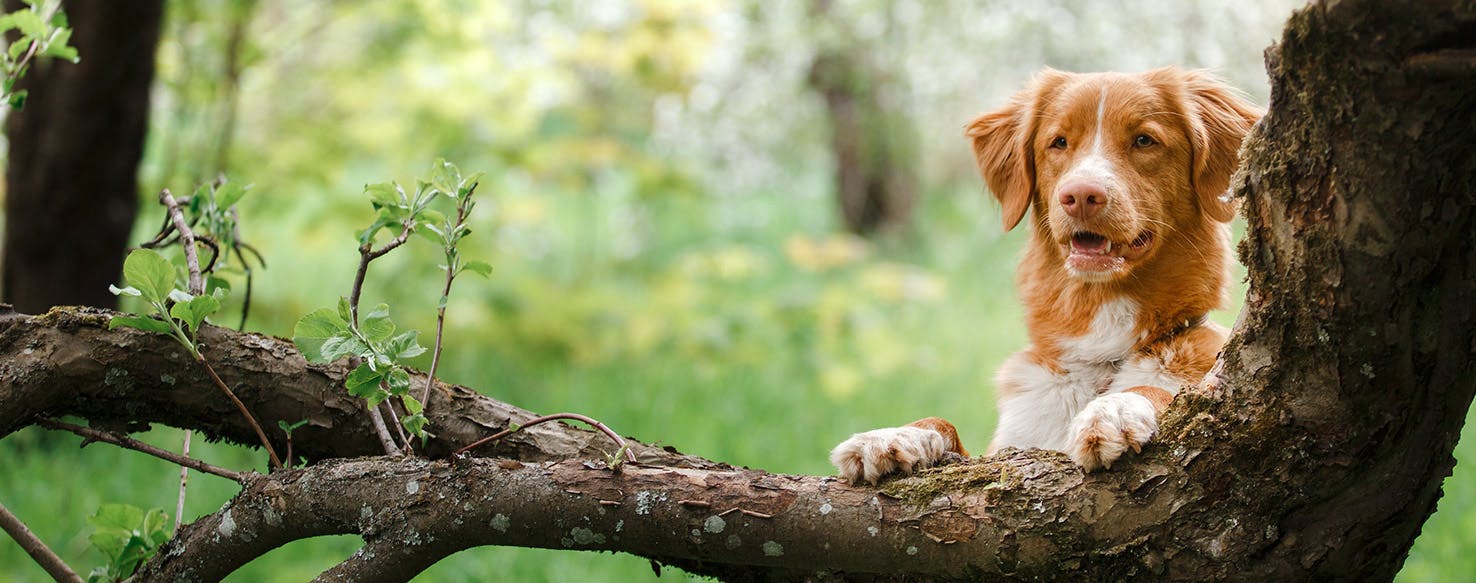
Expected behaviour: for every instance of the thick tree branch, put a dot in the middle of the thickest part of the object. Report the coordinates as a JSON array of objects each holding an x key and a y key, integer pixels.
[{"x": 1313, "y": 451}]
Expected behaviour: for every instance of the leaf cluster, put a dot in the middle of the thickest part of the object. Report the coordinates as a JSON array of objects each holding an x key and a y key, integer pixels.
[
  {"x": 43, "y": 31},
  {"x": 154, "y": 279},
  {"x": 127, "y": 536},
  {"x": 328, "y": 334}
]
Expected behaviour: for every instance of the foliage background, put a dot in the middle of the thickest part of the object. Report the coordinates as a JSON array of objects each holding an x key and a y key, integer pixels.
[{"x": 658, "y": 211}]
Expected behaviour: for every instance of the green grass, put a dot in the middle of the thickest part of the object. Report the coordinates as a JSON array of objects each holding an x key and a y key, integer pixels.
[{"x": 750, "y": 370}]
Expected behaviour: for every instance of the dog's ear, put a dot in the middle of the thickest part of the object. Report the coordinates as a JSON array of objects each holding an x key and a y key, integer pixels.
[
  {"x": 1003, "y": 147},
  {"x": 1219, "y": 119}
]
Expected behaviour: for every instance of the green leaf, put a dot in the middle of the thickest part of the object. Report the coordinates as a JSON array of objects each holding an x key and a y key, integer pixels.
[
  {"x": 404, "y": 346},
  {"x": 377, "y": 325},
  {"x": 468, "y": 183},
  {"x": 398, "y": 381},
  {"x": 343, "y": 345},
  {"x": 57, "y": 46},
  {"x": 363, "y": 381},
  {"x": 415, "y": 424},
  {"x": 385, "y": 194},
  {"x": 481, "y": 268},
  {"x": 119, "y": 516},
  {"x": 412, "y": 406},
  {"x": 18, "y": 99},
  {"x": 317, "y": 328},
  {"x": 229, "y": 194},
  {"x": 445, "y": 177},
  {"x": 151, "y": 273},
  {"x": 289, "y": 428},
  {"x": 29, "y": 23},
  {"x": 194, "y": 311},
  {"x": 19, "y": 48},
  {"x": 217, "y": 285},
  {"x": 140, "y": 322},
  {"x": 345, "y": 311}
]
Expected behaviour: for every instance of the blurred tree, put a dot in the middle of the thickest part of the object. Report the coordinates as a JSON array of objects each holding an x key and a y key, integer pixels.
[
  {"x": 72, "y": 176},
  {"x": 871, "y": 139}
]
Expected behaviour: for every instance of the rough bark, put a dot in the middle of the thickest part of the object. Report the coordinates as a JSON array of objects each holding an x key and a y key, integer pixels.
[
  {"x": 1314, "y": 451},
  {"x": 72, "y": 177}
]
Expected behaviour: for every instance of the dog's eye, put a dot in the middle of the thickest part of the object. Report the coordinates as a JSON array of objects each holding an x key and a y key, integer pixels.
[
  {"x": 1059, "y": 143},
  {"x": 1143, "y": 141}
]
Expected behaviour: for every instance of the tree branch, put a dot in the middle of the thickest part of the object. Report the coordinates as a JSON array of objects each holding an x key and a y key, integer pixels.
[
  {"x": 38, "y": 550},
  {"x": 136, "y": 445}
]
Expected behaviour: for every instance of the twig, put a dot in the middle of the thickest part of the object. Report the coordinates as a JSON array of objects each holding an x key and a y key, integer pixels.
[
  {"x": 184, "y": 479},
  {"x": 366, "y": 254},
  {"x": 38, "y": 550},
  {"x": 629, "y": 455},
  {"x": 251, "y": 419},
  {"x": 430, "y": 377},
  {"x": 136, "y": 445},
  {"x": 186, "y": 240},
  {"x": 399, "y": 429},
  {"x": 197, "y": 287}
]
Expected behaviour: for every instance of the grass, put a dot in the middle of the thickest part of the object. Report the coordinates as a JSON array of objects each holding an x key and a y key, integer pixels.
[{"x": 768, "y": 369}]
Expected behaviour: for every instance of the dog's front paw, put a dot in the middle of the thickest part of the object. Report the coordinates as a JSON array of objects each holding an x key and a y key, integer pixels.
[
  {"x": 866, "y": 457},
  {"x": 1109, "y": 426}
]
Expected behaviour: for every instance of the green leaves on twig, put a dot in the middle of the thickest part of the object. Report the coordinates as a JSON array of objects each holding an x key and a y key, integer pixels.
[
  {"x": 153, "y": 278},
  {"x": 127, "y": 536},
  {"x": 41, "y": 31},
  {"x": 328, "y": 334},
  {"x": 325, "y": 335}
]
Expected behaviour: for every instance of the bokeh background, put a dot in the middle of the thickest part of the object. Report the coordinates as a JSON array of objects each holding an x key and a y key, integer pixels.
[{"x": 663, "y": 211}]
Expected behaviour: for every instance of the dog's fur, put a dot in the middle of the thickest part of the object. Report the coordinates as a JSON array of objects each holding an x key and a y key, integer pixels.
[{"x": 1127, "y": 177}]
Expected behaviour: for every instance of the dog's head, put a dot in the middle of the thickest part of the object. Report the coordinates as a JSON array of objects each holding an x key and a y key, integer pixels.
[{"x": 1115, "y": 165}]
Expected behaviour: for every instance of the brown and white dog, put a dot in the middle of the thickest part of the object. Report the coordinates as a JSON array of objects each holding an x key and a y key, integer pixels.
[{"x": 1127, "y": 177}]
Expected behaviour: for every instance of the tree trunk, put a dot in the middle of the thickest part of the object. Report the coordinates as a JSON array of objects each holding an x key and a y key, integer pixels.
[
  {"x": 72, "y": 179},
  {"x": 872, "y": 143},
  {"x": 1313, "y": 451}
]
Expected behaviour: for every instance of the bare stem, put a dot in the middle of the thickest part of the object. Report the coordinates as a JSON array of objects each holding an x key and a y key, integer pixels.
[
  {"x": 38, "y": 550},
  {"x": 186, "y": 240},
  {"x": 382, "y": 432},
  {"x": 136, "y": 445},
  {"x": 184, "y": 478},
  {"x": 399, "y": 428},
  {"x": 629, "y": 455},
  {"x": 251, "y": 419}
]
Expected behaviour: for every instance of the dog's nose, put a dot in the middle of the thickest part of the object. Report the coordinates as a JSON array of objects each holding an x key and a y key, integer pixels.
[{"x": 1082, "y": 199}]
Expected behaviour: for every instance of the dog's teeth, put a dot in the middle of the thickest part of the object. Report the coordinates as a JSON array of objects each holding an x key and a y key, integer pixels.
[{"x": 1109, "y": 247}]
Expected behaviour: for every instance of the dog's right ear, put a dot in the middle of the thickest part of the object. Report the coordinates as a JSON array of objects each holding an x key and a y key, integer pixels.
[{"x": 1003, "y": 148}]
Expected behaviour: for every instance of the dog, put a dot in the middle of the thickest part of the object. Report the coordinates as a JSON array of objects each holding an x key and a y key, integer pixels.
[{"x": 1126, "y": 178}]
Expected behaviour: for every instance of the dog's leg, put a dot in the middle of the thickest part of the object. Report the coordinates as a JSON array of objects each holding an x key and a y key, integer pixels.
[
  {"x": 868, "y": 456},
  {"x": 1114, "y": 423}
]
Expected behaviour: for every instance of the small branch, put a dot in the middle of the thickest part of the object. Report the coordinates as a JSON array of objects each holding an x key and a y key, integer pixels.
[
  {"x": 139, "y": 446},
  {"x": 38, "y": 550},
  {"x": 251, "y": 419},
  {"x": 381, "y": 431},
  {"x": 399, "y": 429},
  {"x": 430, "y": 377},
  {"x": 366, "y": 254},
  {"x": 186, "y": 240},
  {"x": 629, "y": 455},
  {"x": 184, "y": 479}
]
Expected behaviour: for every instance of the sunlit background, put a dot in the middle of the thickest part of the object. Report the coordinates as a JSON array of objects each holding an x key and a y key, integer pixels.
[{"x": 662, "y": 212}]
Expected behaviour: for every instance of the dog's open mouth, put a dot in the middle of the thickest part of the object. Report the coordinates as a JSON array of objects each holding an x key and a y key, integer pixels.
[{"x": 1094, "y": 252}]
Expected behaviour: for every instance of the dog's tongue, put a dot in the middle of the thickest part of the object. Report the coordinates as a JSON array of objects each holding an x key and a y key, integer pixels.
[{"x": 1090, "y": 244}]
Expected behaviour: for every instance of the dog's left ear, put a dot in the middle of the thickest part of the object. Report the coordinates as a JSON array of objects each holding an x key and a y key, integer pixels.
[{"x": 1219, "y": 119}]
